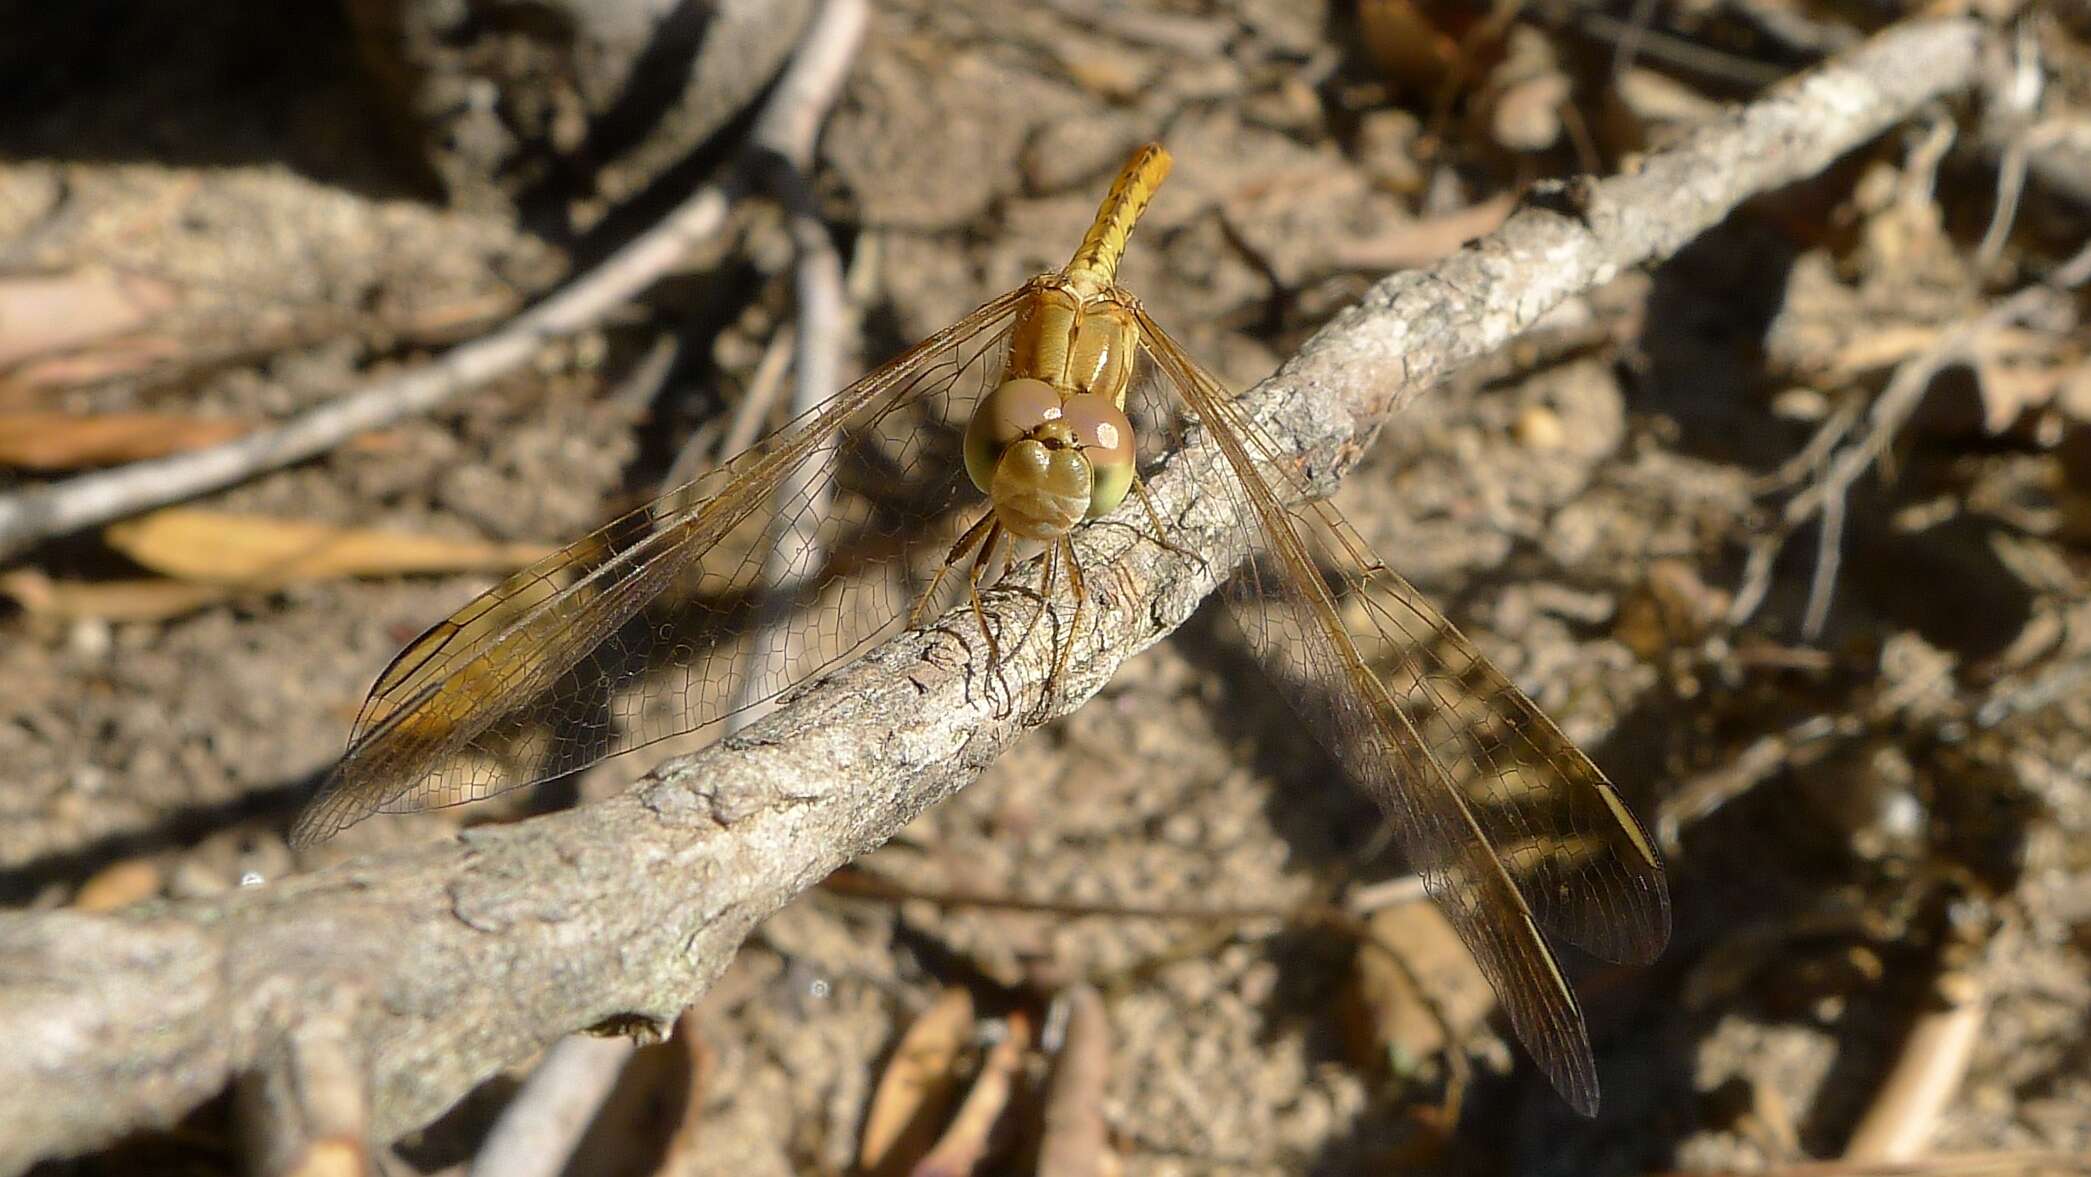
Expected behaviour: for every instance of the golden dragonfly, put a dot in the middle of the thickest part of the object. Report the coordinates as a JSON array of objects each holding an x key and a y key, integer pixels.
[{"x": 989, "y": 441}]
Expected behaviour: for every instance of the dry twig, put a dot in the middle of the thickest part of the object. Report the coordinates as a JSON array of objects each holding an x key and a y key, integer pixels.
[
  {"x": 538, "y": 1131},
  {"x": 1825, "y": 500},
  {"x": 452, "y": 958},
  {"x": 1927, "y": 1072},
  {"x": 1076, "y": 1139},
  {"x": 29, "y": 516},
  {"x": 784, "y": 139},
  {"x": 2017, "y": 104}
]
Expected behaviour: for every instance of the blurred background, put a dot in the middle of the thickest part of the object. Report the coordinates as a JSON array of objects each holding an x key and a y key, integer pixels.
[{"x": 1792, "y": 533}]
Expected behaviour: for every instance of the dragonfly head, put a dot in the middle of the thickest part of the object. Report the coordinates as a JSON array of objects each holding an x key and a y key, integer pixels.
[{"x": 1048, "y": 462}]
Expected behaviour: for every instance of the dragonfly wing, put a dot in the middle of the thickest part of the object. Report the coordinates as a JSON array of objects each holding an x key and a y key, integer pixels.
[
  {"x": 716, "y": 597},
  {"x": 1512, "y": 828}
]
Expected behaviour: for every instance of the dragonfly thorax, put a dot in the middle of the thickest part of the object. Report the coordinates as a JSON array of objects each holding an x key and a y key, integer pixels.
[{"x": 1076, "y": 342}]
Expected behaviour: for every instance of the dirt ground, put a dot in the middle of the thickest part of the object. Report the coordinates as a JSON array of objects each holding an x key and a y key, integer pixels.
[{"x": 1855, "y": 820}]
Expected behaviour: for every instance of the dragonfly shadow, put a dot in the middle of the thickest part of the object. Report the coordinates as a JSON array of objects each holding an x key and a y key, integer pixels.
[
  {"x": 1774, "y": 907},
  {"x": 727, "y": 636},
  {"x": 265, "y": 806},
  {"x": 1710, "y": 310},
  {"x": 1336, "y": 832}
]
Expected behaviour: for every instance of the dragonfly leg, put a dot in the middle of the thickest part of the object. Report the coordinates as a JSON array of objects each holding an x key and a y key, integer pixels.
[
  {"x": 1049, "y": 576},
  {"x": 1043, "y": 594},
  {"x": 975, "y": 536},
  {"x": 1161, "y": 535},
  {"x": 982, "y": 561},
  {"x": 1080, "y": 588}
]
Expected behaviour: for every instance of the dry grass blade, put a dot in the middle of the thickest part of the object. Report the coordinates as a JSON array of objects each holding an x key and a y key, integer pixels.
[
  {"x": 976, "y": 1132},
  {"x": 244, "y": 551},
  {"x": 919, "y": 1086},
  {"x": 110, "y": 600},
  {"x": 70, "y": 441}
]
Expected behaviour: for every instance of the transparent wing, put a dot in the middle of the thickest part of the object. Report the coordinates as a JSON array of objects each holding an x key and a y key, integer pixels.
[
  {"x": 716, "y": 597},
  {"x": 1512, "y": 827}
]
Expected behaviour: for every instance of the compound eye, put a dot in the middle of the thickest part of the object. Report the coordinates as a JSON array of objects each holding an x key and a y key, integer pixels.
[
  {"x": 1009, "y": 413},
  {"x": 1105, "y": 436}
]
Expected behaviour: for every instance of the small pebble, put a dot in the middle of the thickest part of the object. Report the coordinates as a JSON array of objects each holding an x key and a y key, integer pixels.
[
  {"x": 1540, "y": 428},
  {"x": 118, "y": 885}
]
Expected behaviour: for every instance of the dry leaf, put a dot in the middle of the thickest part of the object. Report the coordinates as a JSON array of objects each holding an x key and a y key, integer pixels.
[
  {"x": 919, "y": 1086},
  {"x": 107, "y": 360},
  {"x": 46, "y": 313},
  {"x": 971, "y": 1141},
  {"x": 118, "y": 885},
  {"x": 1410, "y": 43},
  {"x": 1076, "y": 1141},
  {"x": 213, "y": 547},
  {"x": 1418, "y": 992},
  {"x": 113, "y": 600},
  {"x": 69, "y": 441}
]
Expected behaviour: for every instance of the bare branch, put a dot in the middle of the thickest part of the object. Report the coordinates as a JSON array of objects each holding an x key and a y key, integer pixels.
[
  {"x": 304, "y": 1109},
  {"x": 454, "y": 958},
  {"x": 538, "y": 1132},
  {"x": 788, "y": 117},
  {"x": 1927, "y": 1072}
]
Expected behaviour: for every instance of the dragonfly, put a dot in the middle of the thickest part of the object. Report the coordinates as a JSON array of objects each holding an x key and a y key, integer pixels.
[{"x": 907, "y": 492}]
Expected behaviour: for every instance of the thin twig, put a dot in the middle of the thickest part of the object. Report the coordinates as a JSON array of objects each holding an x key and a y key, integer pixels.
[
  {"x": 39, "y": 513},
  {"x": 1809, "y": 459},
  {"x": 643, "y": 385},
  {"x": 1629, "y": 42},
  {"x": 1825, "y": 499},
  {"x": 1675, "y": 51},
  {"x": 537, "y": 1132},
  {"x": 459, "y": 956},
  {"x": 2074, "y": 272},
  {"x": 30, "y": 516},
  {"x": 1793, "y": 28},
  {"x": 751, "y": 416},
  {"x": 2018, "y": 105},
  {"x": 1904, "y": 392},
  {"x": 1927, "y": 1072},
  {"x": 786, "y": 142}
]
